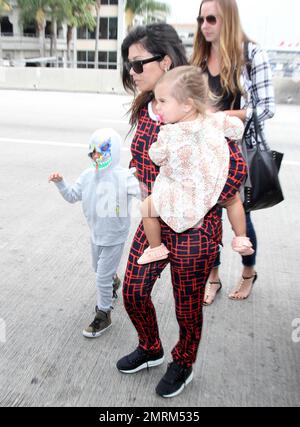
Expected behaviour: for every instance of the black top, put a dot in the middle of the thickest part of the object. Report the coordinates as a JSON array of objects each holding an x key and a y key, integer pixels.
[{"x": 227, "y": 102}]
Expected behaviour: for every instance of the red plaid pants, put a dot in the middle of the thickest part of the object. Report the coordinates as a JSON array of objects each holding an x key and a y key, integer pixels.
[{"x": 192, "y": 255}]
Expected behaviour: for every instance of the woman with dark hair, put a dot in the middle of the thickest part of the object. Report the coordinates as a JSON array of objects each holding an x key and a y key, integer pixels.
[
  {"x": 240, "y": 80},
  {"x": 148, "y": 52}
]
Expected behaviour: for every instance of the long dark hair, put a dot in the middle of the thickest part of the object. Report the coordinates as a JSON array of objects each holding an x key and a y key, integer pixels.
[{"x": 158, "y": 39}]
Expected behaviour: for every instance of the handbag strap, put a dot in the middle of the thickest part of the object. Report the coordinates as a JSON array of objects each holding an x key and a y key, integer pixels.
[
  {"x": 259, "y": 138},
  {"x": 248, "y": 64}
]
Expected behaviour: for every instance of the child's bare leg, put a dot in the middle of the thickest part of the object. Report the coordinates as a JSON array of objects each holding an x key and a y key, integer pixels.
[
  {"x": 236, "y": 215},
  {"x": 151, "y": 223},
  {"x": 237, "y": 218}
]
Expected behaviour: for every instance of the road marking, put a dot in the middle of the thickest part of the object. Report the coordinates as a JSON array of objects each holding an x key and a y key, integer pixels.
[
  {"x": 51, "y": 143},
  {"x": 73, "y": 145},
  {"x": 37, "y": 142}
]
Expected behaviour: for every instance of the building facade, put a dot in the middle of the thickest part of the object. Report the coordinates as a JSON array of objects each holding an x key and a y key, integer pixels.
[
  {"x": 110, "y": 38},
  {"x": 187, "y": 33},
  {"x": 285, "y": 59},
  {"x": 149, "y": 18},
  {"x": 21, "y": 46}
]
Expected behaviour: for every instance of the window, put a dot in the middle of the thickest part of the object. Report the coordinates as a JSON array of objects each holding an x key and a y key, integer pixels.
[
  {"x": 84, "y": 33},
  {"x": 112, "y": 60},
  {"x": 91, "y": 34},
  {"x": 108, "y": 28},
  {"x": 91, "y": 59},
  {"x": 106, "y": 60},
  {"x": 102, "y": 57},
  {"x": 81, "y": 56},
  {"x": 48, "y": 29},
  {"x": 109, "y": 2},
  {"x": 30, "y": 29},
  {"x": 113, "y": 28},
  {"x": 81, "y": 32},
  {"x": 6, "y": 27},
  {"x": 85, "y": 59},
  {"x": 103, "y": 28},
  {"x": 81, "y": 59}
]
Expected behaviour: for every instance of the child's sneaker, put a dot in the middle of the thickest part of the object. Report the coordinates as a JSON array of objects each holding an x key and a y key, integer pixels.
[
  {"x": 101, "y": 323},
  {"x": 116, "y": 285},
  {"x": 242, "y": 245},
  {"x": 154, "y": 254}
]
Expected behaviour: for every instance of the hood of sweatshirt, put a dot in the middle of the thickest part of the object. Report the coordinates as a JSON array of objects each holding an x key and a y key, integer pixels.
[{"x": 106, "y": 142}]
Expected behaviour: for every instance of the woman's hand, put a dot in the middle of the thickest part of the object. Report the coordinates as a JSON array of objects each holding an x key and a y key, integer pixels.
[{"x": 55, "y": 177}]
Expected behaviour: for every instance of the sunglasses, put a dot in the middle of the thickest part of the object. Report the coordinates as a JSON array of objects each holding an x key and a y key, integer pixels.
[
  {"x": 210, "y": 19},
  {"x": 138, "y": 66}
]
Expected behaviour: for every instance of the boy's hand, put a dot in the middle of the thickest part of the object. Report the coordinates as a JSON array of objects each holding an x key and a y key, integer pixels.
[{"x": 55, "y": 177}]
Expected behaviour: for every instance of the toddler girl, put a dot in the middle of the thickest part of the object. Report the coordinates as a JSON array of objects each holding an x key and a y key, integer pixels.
[{"x": 193, "y": 156}]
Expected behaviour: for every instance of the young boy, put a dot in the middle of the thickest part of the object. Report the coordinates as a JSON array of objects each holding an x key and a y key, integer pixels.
[{"x": 106, "y": 190}]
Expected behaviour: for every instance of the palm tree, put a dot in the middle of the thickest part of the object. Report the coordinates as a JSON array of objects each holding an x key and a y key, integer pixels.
[
  {"x": 140, "y": 7},
  {"x": 35, "y": 10},
  {"x": 80, "y": 14},
  {"x": 59, "y": 12},
  {"x": 4, "y": 8},
  {"x": 97, "y": 6}
]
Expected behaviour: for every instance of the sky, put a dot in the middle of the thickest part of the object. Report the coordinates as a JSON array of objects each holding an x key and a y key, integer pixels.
[{"x": 268, "y": 22}]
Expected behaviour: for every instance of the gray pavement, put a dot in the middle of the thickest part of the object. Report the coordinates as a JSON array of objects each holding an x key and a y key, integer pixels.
[{"x": 250, "y": 351}]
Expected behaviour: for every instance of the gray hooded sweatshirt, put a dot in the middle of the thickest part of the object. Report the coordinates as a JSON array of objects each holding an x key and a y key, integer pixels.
[{"x": 106, "y": 196}]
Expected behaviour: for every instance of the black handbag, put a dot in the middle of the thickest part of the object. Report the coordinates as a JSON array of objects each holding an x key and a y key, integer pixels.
[{"x": 262, "y": 189}]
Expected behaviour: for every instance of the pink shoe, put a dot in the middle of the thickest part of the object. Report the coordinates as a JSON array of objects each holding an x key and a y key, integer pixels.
[
  {"x": 155, "y": 254},
  {"x": 242, "y": 245}
]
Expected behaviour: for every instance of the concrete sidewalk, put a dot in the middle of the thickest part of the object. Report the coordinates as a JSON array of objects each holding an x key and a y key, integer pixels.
[{"x": 250, "y": 351}]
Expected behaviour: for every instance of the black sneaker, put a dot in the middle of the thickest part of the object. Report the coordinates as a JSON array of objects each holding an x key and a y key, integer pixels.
[
  {"x": 140, "y": 359},
  {"x": 174, "y": 380}
]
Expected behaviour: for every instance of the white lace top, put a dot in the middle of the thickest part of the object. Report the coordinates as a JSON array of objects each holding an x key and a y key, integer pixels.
[{"x": 194, "y": 164}]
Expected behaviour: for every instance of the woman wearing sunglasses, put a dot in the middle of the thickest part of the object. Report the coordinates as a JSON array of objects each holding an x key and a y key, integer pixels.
[
  {"x": 222, "y": 49},
  {"x": 148, "y": 52}
]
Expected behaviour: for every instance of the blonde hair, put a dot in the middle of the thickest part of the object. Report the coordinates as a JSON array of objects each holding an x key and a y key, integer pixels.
[
  {"x": 188, "y": 82},
  {"x": 232, "y": 38}
]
